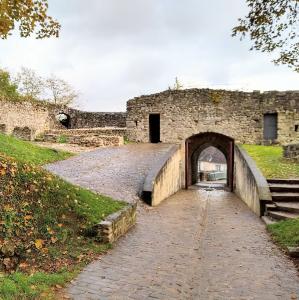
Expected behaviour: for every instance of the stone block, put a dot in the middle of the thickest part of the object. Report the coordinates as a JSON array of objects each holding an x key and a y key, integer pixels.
[{"x": 23, "y": 133}]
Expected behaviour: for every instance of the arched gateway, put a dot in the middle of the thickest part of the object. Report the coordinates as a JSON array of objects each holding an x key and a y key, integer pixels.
[{"x": 195, "y": 144}]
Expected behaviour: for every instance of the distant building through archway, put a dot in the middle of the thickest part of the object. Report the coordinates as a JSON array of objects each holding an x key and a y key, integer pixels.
[{"x": 194, "y": 146}]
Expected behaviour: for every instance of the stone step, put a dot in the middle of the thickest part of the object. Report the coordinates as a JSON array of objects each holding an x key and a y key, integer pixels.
[
  {"x": 288, "y": 206},
  {"x": 271, "y": 206},
  {"x": 289, "y": 197},
  {"x": 284, "y": 181},
  {"x": 268, "y": 221},
  {"x": 86, "y": 140},
  {"x": 87, "y": 131},
  {"x": 284, "y": 187},
  {"x": 281, "y": 215},
  {"x": 50, "y": 136}
]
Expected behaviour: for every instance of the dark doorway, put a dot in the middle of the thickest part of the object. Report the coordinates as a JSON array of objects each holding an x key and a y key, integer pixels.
[
  {"x": 195, "y": 145},
  {"x": 154, "y": 128},
  {"x": 270, "y": 127}
]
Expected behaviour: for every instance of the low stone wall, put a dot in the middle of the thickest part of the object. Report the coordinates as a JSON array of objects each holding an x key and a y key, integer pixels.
[
  {"x": 96, "y": 141},
  {"x": 250, "y": 185},
  {"x": 112, "y": 131},
  {"x": 92, "y": 137},
  {"x": 165, "y": 178},
  {"x": 117, "y": 224},
  {"x": 84, "y": 140},
  {"x": 291, "y": 151}
]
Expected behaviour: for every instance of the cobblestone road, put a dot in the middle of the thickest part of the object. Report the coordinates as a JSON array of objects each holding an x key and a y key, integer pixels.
[
  {"x": 238, "y": 259},
  {"x": 118, "y": 172},
  {"x": 195, "y": 245}
]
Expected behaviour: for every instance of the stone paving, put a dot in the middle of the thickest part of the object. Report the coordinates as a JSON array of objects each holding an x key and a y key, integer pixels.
[
  {"x": 118, "y": 172},
  {"x": 196, "y": 245},
  {"x": 238, "y": 259},
  {"x": 158, "y": 259}
]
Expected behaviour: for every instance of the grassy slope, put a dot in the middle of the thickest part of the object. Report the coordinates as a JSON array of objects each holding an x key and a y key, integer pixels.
[
  {"x": 270, "y": 161},
  {"x": 286, "y": 233},
  {"x": 43, "y": 222},
  {"x": 29, "y": 153},
  {"x": 272, "y": 164}
]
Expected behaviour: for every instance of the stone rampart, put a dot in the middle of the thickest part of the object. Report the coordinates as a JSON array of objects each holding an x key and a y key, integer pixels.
[
  {"x": 28, "y": 120},
  {"x": 239, "y": 115}
]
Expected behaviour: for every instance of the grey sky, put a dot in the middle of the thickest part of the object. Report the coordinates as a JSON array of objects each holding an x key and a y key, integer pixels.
[{"x": 114, "y": 50}]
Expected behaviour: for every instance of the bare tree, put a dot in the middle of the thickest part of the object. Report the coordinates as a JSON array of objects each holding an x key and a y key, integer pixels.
[
  {"x": 61, "y": 92},
  {"x": 30, "y": 84},
  {"x": 177, "y": 85}
]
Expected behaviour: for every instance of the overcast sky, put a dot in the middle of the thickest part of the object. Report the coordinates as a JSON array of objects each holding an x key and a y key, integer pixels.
[{"x": 114, "y": 50}]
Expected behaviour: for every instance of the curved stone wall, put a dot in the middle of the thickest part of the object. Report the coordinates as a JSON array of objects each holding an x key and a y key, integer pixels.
[
  {"x": 250, "y": 185},
  {"x": 165, "y": 178}
]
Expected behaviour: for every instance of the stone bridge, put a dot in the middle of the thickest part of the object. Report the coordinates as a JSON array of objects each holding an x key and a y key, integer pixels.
[{"x": 197, "y": 244}]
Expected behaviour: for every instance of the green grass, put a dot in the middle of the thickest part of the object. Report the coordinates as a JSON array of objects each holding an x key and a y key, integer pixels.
[
  {"x": 62, "y": 139},
  {"x": 45, "y": 222},
  {"x": 286, "y": 233},
  {"x": 27, "y": 152},
  {"x": 21, "y": 286},
  {"x": 270, "y": 161},
  {"x": 127, "y": 141}
]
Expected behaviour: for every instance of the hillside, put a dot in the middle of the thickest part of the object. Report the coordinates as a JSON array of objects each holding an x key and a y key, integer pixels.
[
  {"x": 270, "y": 161},
  {"x": 45, "y": 222}
]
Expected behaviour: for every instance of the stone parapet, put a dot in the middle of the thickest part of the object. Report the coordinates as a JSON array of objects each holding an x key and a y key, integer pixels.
[{"x": 250, "y": 184}]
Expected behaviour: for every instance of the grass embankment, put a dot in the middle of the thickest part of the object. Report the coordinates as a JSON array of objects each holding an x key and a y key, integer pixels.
[
  {"x": 285, "y": 233},
  {"x": 270, "y": 161},
  {"x": 28, "y": 153},
  {"x": 45, "y": 223}
]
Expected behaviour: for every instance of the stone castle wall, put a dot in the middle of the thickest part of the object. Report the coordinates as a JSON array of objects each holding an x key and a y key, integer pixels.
[
  {"x": 182, "y": 113},
  {"x": 82, "y": 119},
  {"x": 27, "y": 120},
  {"x": 24, "y": 118},
  {"x": 239, "y": 115}
]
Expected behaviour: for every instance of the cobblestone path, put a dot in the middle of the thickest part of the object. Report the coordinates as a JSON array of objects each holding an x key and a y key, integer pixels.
[
  {"x": 196, "y": 245},
  {"x": 238, "y": 259},
  {"x": 118, "y": 172}
]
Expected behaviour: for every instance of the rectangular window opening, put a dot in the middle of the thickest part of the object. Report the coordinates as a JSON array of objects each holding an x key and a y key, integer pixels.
[{"x": 270, "y": 127}]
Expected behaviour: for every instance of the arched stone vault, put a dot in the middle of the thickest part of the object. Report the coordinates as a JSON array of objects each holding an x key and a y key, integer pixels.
[{"x": 195, "y": 144}]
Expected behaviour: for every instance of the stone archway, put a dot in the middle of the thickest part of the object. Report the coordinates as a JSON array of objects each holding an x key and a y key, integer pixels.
[
  {"x": 195, "y": 144},
  {"x": 64, "y": 119}
]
